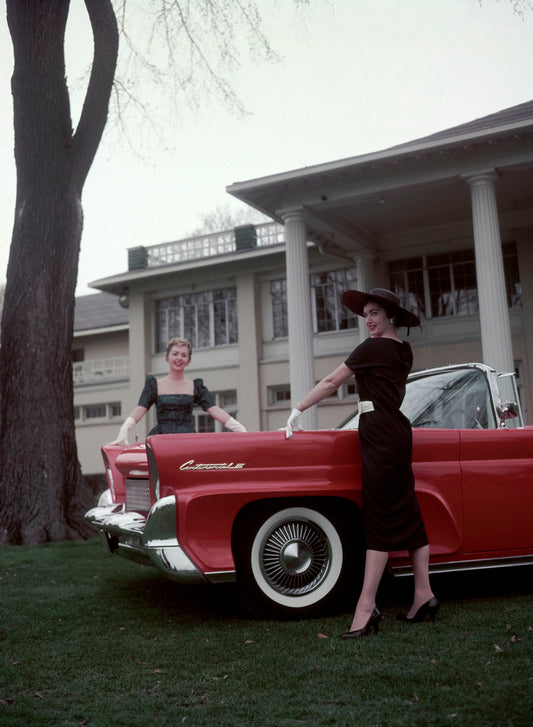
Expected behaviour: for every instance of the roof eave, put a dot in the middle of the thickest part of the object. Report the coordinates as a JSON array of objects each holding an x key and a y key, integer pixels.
[
  {"x": 115, "y": 283},
  {"x": 415, "y": 148},
  {"x": 103, "y": 329}
]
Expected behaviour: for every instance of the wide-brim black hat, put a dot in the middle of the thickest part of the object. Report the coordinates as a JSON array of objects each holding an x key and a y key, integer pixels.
[{"x": 356, "y": 300}]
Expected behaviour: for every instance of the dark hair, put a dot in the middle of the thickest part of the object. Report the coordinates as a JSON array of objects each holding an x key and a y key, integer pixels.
[{"x": 390, "y": 309}]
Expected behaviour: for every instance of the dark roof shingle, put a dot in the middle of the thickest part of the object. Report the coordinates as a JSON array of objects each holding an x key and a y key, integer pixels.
[
  {"x": 505, "y": 117},
  {"x": 100, "y": 310}
]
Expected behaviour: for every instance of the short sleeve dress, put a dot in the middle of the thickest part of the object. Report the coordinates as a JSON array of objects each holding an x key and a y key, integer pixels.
[
  {"x": 174, "y": 411},
  {"x": 391, "y": 513}
]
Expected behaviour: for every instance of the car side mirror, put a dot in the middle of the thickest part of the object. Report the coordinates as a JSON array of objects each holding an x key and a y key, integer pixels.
[{"x": 508, "y": 410}]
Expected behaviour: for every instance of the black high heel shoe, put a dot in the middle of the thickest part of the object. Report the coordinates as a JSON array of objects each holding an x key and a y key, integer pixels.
[
  {"x": 371, "y": 624},
  {"x": 429, "y": 608}
]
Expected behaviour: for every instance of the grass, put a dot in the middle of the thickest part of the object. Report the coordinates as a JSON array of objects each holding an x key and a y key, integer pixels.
[{"x": 89, "y": 639}]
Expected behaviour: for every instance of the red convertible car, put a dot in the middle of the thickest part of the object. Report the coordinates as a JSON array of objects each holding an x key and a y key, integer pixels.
[{"x": 283, "y": 517}]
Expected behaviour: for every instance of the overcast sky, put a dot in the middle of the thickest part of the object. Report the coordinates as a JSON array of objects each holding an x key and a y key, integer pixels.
[{"x": 358, "y": 76}]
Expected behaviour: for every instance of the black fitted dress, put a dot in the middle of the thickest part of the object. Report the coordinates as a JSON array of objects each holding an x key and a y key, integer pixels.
[
  {"x": 174, "y": 411},
  {"x": 391, "y": 512}
]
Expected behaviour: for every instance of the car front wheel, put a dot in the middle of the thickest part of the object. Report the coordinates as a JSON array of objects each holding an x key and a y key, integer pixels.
[{"x": 297, "y": 561}]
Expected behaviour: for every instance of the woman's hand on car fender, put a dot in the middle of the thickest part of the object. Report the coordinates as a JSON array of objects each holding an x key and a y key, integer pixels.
[{"x": 293, "y": 423}]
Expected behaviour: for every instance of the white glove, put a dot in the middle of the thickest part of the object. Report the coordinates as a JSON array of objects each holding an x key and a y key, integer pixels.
[
  {"x": 293, "y": 423},
  {"x": 125, "y": 429},
  {"x": 234, "y": 426}
]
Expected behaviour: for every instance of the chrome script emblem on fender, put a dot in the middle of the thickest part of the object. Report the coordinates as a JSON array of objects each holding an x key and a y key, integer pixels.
[{"x": 192, "y": 465}]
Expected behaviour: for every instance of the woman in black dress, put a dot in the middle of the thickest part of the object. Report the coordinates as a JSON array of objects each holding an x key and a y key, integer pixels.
[
  {"x": 175, "y": 397},
  {"x": 391, "y": 514}
]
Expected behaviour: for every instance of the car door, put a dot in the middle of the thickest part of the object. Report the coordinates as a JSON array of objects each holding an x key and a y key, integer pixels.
[{"x": 497, "y": 476}]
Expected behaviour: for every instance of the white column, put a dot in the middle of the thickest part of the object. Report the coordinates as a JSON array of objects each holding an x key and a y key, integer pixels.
[
  {"x": 248, "y": 397},
  {"x": 301, "y": 363},
  {"x": 365, "y": 282},
  {"x": 140, "y": 352},
  {"x": 493, "y": 310}
]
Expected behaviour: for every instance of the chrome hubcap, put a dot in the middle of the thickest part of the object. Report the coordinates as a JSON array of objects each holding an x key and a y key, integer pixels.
[{"x": 295, "y": 557}]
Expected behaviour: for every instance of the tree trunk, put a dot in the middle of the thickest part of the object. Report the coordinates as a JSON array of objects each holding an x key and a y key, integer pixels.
[{"x": 41, "y": 484}]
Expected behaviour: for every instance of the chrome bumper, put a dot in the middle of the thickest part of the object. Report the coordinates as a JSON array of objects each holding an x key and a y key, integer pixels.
[{"x": 148, "y": 539}]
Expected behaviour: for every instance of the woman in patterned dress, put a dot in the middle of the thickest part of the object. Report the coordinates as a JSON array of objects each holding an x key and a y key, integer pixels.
[{"x": 175, "y": 397}]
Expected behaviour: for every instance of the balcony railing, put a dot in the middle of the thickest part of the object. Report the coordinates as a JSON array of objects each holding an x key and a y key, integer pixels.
[
  {"x": 242, "y": 238},
  {"x": 100, "y": 371}
]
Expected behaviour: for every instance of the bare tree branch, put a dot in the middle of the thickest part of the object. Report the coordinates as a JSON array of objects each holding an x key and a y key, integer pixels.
[{"x": 191, "y": 53}]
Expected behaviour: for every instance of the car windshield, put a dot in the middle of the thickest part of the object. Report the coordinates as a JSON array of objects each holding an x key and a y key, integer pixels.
[
  {"x": 450, "y": 400},
  {"x": 458, "y": 399}
]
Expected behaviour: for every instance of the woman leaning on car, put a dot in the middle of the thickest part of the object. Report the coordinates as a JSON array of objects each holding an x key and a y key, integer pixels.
[
  {"x": 391, "y": 513},
  {"x": 175, "y": 397}
]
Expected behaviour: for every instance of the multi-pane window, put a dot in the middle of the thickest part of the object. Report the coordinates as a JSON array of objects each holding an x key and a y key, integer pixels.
[
  {"x": 440, "y": 285},
  {"x": 91, "y": 412},
  {"x": 329, "y": 314},
  {"x": 278, "y": 296},
  {"x": 279, "y": 394},
  {"x": 452, "y": 284},
  {"x": 95, "y": 411},
  {"x": 513, "y": 286},
  {"x": 115, "y": 410},
  {"x": 205, "y": 319},
  {"x": 406, "y": 278},
  {"x": 204, "y": 422}
]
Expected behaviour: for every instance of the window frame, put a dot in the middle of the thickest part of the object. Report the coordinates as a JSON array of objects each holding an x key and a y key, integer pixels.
[
  {"x": 451, "y": 262},
  {"x": 112, "y": 409},
  {"x": 203, "y": 422},
  {"x": 343, "y": 279},
  {"x": 196, "y": 310},
  {"x": 272, "y": 395}
]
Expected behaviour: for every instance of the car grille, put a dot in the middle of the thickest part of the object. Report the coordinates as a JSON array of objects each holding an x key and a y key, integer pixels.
[{"x": 138, "y": 494}]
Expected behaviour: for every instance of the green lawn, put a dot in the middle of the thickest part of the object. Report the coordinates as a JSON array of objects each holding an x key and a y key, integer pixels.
[{"x": 89, "y": 639}]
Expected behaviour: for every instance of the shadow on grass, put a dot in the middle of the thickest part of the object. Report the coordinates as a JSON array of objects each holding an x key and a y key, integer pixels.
[
  {"x": 462, "y": 586},
  {"x": 150, "y": 591}
]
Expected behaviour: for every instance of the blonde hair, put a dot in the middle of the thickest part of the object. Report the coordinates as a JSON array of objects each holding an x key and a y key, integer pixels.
[{"x": 178, "y": 342}]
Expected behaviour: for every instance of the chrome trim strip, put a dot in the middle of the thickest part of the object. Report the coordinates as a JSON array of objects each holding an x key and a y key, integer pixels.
[
  {"x": 223, "y": 576},
  {"x": 466, "y": 565},
  {"x": 175, "y": 564},
  {"x": 160, "y": 526}
]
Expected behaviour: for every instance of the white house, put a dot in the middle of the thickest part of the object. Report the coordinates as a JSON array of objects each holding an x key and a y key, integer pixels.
[{"x": 446, "y": 221}]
